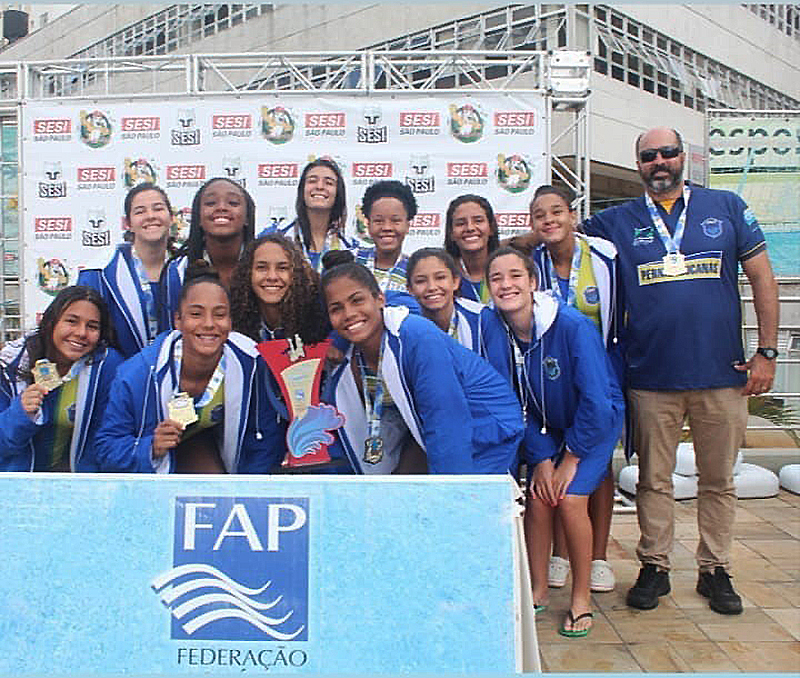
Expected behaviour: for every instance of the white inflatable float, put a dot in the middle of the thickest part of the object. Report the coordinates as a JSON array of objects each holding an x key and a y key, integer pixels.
[
  {"x": 790, "y": 478},
  {"x": 751, "y": 481}
]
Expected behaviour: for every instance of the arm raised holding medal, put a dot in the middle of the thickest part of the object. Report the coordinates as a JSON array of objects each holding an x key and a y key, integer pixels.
[
  {"x": 53, "y": 384},
  {"x": 173, "y": 405}
]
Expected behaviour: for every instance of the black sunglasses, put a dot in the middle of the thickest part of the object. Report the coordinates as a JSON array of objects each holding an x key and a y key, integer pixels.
[{"x": 667, "y": 152}]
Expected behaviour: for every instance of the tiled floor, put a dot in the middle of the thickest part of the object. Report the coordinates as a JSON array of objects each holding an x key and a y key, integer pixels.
[{"x": 682, "y": 634}]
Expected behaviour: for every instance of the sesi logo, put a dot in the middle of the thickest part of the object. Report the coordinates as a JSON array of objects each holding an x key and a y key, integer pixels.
[
  {"x": 149, "y": 123},
  {"x": 372, "y": 170},
  {"x": 52, "y": 126},
  {"x": 185, "y": 172},
  {"x": 515, "y": 123},
  {"x": 512, "y": 219},
  {"x": 325, "y": 124},
  {"x": 240, "y": 569}
]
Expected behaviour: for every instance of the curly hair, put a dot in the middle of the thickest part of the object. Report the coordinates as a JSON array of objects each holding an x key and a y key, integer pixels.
[
  {"x": 40, "y": 343},
  {"x": 389, "y": 189},
  {"x": 301, "y": 309},
  {"x": 196, "y": 242}
]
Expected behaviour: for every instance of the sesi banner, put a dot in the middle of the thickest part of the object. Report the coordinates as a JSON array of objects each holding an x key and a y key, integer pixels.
[{"x": 80, "y": 158}]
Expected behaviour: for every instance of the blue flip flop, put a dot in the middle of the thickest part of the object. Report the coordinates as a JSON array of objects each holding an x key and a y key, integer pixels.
[
  {"x": 539, "y": 608},
  {"x": 570, "y": 633}
]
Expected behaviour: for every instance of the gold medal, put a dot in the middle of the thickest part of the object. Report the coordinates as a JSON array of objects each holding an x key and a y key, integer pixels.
[
  {"x": 674, "y": 264},
  {"x": 45, "y": 374},
  {"x": 373, "y": 449},
  {"x": 181, "y": 409}
]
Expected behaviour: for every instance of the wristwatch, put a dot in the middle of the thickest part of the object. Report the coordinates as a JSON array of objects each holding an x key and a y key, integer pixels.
[{"x": 768, "y": 352}]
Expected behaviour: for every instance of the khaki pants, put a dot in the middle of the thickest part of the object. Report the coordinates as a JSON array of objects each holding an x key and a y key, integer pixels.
[{"x": 717, "y": 418}]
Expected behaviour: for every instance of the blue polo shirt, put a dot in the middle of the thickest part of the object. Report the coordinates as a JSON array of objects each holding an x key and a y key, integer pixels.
[{"x": 683, "y": 332}]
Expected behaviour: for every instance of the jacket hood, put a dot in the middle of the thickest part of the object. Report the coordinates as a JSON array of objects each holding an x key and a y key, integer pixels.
[{"x": 545, "y": 309}]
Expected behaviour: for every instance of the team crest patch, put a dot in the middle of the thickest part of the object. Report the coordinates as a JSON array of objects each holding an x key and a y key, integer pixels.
[
  {"x": 551, "y": 368},
  {"x": 217, "y": 413},
  {"x": 591, "y": 295},
  {"x": 643, "y": 235},
  {"x": 712, "y": 227},
  {"x": 71, "y": 413}
]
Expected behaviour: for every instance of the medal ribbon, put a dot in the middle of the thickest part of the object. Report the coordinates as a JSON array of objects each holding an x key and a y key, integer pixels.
[
  {"x": 521, "y": 374},
  {"x": 373, "y": 409},
  {"x": 453, "y": 329},
  {"x": 672, "y": 243},
  {"x": 213, "y": 383},
  {"x": 483, "y": 288},
  {"x": 574, "y": 271},
  {"x": 268, "y": 335},
  {"x": 77, "y": 366},
  {"x": 147, "y": 293},
  {"x": 385, "y": 278},
  {"x": 332, "y": 242}
]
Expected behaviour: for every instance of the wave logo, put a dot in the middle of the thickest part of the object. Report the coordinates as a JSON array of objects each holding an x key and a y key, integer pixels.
[{"x": 240, "y": 569}]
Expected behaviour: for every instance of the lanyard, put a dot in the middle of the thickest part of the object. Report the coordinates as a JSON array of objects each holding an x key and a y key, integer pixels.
[
  {"x": 268, "y": 335},
  {"x": 373, "y": 409},
  {"x": 453, "y": 329},
  {"x": 382, "y": 276},
  {"x": 482, "y": 289},
  {"x": 671, "y": 243},
  {"x": 332, "y": 242},
  {"x": 213, "y": 383},
  {"x": 574, "y": 271},
  {"x": 521, "y": 375},
  {"x": 147, "y": 294},
  {"x": 77, "y": 366}
]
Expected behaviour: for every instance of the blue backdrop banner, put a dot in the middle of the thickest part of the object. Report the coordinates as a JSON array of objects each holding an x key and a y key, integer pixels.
[{"x": 107, "y": 575}]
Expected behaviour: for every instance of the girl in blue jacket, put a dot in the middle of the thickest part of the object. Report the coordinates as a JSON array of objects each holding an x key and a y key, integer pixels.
[
  {"x": 129, "y": 284},
  {"x": 573, "y": 410},
  {"x": 222, "y": 223},
  {"x": 471, "y": 234},
  {"x": 225, "y": 424},
  {"x": 581, "y": 271},
  {"x": 53, "y": 428},
  {"x": 403, "y": 377},
  {"x": 433, "y": 279},
  {"x": 321, "y": 208}
]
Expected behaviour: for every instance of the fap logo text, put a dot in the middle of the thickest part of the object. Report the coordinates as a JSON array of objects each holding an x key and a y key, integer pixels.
[{"x": 240, "y": 569}]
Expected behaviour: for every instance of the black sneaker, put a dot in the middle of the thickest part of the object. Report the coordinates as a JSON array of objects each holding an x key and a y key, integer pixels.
[
  {"x": 719, "y": 591},
  {"x": 651, "y": 584}
]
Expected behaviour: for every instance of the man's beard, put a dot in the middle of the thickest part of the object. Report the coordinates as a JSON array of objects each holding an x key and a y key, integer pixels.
[{"x": 663, "y": 184}]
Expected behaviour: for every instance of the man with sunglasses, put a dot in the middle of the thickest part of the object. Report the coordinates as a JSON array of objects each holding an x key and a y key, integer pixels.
[{"x": 679, "y": 249}]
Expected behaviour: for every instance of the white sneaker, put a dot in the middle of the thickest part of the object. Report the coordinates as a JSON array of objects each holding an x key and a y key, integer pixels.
[
  {"x": 602, "y": 577},
  {"x": 557, "y": 572}
]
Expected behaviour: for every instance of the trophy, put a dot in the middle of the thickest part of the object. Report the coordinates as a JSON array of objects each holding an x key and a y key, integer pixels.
[{"x": 298, "y": 370}]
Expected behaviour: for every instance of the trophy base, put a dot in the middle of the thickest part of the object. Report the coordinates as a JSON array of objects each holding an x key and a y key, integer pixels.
[{"x": 310, "y": 468}]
